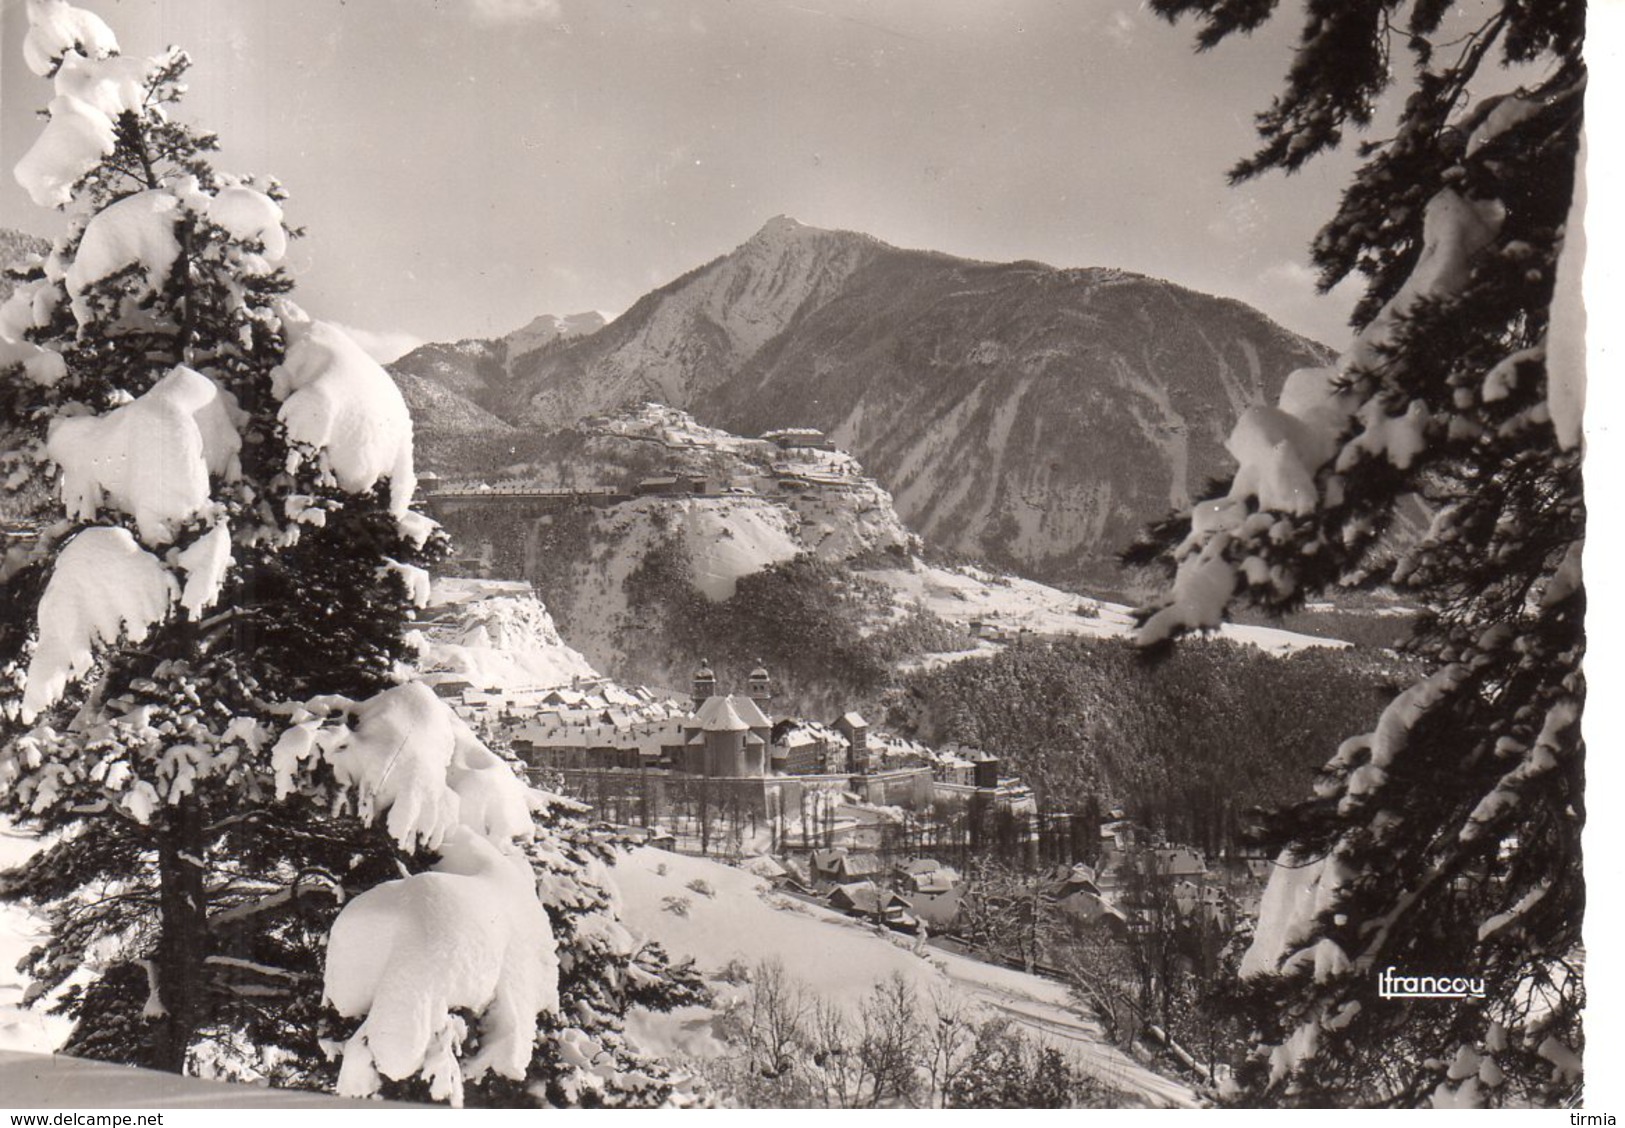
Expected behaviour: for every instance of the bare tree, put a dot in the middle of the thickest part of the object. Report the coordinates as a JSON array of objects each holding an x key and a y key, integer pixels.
[
  {"x": 945, "y": 1043},
  {"x": 889, "y": 1041},
  {"x": 777, "y": 1015},
  {"x": 1100, "y": 969},
  {"x": 769, "y": 1027},
  {"x": 837, "y": 1072},
  {"x": 1006, "y": 914}
]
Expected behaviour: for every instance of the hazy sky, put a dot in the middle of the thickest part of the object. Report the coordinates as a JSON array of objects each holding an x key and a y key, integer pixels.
[{"x": 462, "y": 165}]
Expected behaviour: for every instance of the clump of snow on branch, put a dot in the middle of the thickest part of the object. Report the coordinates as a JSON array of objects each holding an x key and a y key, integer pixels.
[
  {"x": 113, "y": 86},
  {"x": 339, "y": 403},
  {"x": 468, "y": 935},
  {"x": 1289, "y": 899},
  {"x": 1565, "y": 361},
  {"x": 138, "y": 230},
  {"x": 1454, "y": 230},
  {"x": 205, "y": 562},
  {"x": 416, "y": 580},
  {"x": 56, "y": 28},
  {"x": 73, "y": 143},
  {"x": 1503, "y": 920},
  {"x": 416, "y": 527},
  {"x": 150, "y": 458},
  {"x": 1538, "y": 759},
  {"x": 405, "y": 757},
  {"x": 92, "y": 90},
  {"x": 40, "y": 365},
  {"x": 1299, "y": 891},
  {"x": 1392, "y": 734},
  {"x": 104, "y": 585},
  {"x": 30, "y": 306},
  {"x": 250, "y": 215}
]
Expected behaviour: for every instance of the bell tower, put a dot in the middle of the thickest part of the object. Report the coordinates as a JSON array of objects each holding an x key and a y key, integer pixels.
[
  {"x": 760, "y": 685},
  {"x": 705, "y": 684}
]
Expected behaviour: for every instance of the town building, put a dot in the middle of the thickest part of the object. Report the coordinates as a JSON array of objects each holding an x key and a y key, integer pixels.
[
  {"x": 867, "y": 901},
  {"x": 641, "y": 757},
  {"x": 842, "y": 866}
]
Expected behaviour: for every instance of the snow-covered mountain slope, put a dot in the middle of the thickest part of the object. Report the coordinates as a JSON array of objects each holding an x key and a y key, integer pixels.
[
  {"x": 494, "y": 635},
  {"x": 840, "y": 960},
  {"x": 1004, "y": 606},
  {"x": 1034, "y": 417},
  {"x": 711, "y": 542},
  {"x": 444, "y": 412},
  {"x": 620, "y": 578},
  {"x": 723, "y": 539},
  {"x": 445, "y": 423},
  {"x": 446, "y": 388},
  {"x": 450, "y": 388},
  {"x": 474, "y": 370},
  {"x": 680, "y": 341},
  {"x": 735, "y": 506}
]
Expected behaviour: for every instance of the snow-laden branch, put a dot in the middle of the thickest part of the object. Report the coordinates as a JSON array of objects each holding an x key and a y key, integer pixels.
[
  {"x": 470, "y": 935},
  {"x": 303, "y": 885},
  {"x": 104, "y": 586}
]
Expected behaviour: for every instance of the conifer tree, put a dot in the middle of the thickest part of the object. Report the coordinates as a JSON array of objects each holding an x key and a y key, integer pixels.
[
  {"x": 1447, "y": 841},
  {"x": 253, "y": 817}
]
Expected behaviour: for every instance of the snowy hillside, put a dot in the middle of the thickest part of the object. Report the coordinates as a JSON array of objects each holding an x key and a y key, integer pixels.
[
  {"x": 717, "y": 540},
  {"x": 723, "y": 540},
  {"x": 1005, "y": 607},
  {"x": 734, "y": 506},
  {"x": 839, "y": 959},
  {"x": 741, "y": 919},
  {"x": 676, "y": 342},
  {"x": 615, "y": 573},
  {"x": 494, "y": 635}
]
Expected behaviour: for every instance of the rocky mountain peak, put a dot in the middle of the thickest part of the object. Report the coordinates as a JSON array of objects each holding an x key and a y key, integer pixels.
[{"x": 781, "y": 227}]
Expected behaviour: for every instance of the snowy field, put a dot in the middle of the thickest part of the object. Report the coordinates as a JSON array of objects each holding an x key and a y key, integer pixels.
[{"x": 841, "y": 959}]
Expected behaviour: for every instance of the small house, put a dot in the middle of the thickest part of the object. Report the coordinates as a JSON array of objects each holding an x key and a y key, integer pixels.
[
  {"x": 867, "y": 901},
  {"x": 843, "y": 867}
]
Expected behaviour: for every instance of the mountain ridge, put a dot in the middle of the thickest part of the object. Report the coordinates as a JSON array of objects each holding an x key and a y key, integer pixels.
[{"x": 1033, "y": 416}]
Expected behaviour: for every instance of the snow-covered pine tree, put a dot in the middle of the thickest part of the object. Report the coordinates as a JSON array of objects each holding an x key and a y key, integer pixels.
[
  {"x": 264, "y": 843},
  {"x": 1448, "y": 840}
]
